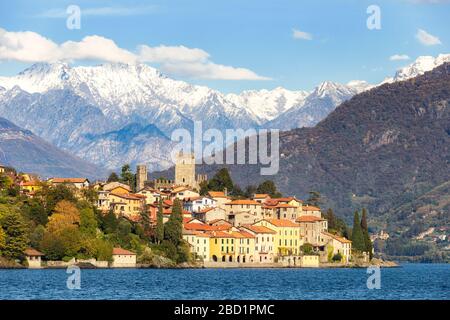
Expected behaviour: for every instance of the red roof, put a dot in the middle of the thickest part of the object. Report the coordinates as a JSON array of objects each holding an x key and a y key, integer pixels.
[
  {"x": 68, "y": 180},
  {"x": 309, "y": 219},
  {"x": 310, "y": 208},
  {"x": 243, "y": 202},
  {"x": 120, "y": 251},
  {"x": 259, "y": 229},
  {"x": 217, "y": 194},
  {"x": 282, "y": 223},
  {"x": 33, "y": 252}
]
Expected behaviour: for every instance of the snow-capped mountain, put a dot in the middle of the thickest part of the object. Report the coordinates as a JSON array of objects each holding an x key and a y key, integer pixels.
[
  {"x": 317, "y": 105},
  {"x": 421, "y": 65},
  {"x": 117, "y": 113},
  {"x": 268, "y": 104}
]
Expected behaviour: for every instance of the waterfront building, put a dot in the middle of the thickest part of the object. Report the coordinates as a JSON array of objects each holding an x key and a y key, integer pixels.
[
  {"x": 123, "y": 258},
  {"x": 33, "y": 258},
  {"x": 287, "y": 238}
]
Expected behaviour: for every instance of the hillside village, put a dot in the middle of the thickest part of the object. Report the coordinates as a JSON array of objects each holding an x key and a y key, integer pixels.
[{"x": 219, "y": 229}]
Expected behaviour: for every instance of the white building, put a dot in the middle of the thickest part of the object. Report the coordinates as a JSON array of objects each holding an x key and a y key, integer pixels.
[
  {"x": 123, "y": 258},
  {"x": 33, "y": 258}
]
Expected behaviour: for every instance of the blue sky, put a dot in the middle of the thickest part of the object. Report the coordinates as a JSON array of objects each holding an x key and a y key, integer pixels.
[{"x": 258, "y": 36}]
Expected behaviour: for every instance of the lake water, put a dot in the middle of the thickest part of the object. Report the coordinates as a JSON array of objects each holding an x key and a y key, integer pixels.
[{"x": 410, "y": 281}]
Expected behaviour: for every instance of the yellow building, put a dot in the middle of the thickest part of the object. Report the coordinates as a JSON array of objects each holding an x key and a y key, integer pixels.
[
  {"x": 126, "y": 205},
  {"x": 117, "y": 188},
  {"x": 287, "y": 238},
  {"x": 221, "y": 246},
  {"x": 244, "y": 246},
  {"x": 30, "y": 187}
]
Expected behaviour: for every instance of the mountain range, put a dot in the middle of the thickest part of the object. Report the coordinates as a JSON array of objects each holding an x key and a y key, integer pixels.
[
  {"x": 25, "y": 151},
  {"x": 386, "y": 149},
  {"x": 125, "y": 113}
]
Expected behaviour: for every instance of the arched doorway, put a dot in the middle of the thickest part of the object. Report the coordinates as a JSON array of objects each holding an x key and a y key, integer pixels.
[
  {"x": 214, "y": 257},
  {"x": 243, "y": 259},
  {"x": 230, "y": 259},
  {"x": 223, "y": 258},
  {"x": 238, "y": 259}
]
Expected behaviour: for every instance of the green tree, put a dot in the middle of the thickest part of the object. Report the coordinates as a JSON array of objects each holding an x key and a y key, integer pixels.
[
  {"x": 88, "y": 222},
  {"x": 66, "y": 243},
  {"x": 15, "y": 231},
  {"x": 35, "y": 212},
  {"x": 37, "y": 236},
  {"x": 110, "y": 222},
  {"x": 128, "y": 177},
  {"x": 314, "y": 198},
  {"x": 51, "y": 195},
  {"x": 159, "y": 224},
  {"x": 270, "y": 188},
  {"x": 204, "y": 188},
  {"x": 307, "y": 248},
  {"x": 113, "y": 177},
  {"x": 331, "y": 219},
  {"x": 2, "y": 239},
  {"x": 221, "y": 180},
  {"x": 357, "y": 234},
  {"x": 367, "y": 242},
  {"x": 337, "y": 257},
  {"x": 174, "y": 227}
]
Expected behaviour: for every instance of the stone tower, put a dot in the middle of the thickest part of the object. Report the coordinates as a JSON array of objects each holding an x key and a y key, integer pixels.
[
  {"x": 185, "y": 170},
  {"x": 141, "y": 176}
]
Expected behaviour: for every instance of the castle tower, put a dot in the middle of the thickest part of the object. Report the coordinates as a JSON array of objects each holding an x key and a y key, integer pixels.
[
  {"x": 141, "y": 176},
  {"x": 185, "y": 170}
]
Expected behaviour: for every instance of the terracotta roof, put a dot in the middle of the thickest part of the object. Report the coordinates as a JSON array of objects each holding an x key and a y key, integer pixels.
[
  {"x": 309, "y": 219},
  {"x": 33, "y": 252},
  {"x": 206, "y": 227},
  {"x": 259, "y": 229},
  {"x": 243, "y": 202},
  {"x": 246, "y": 234},
  {"x": 68, "y": 180},
  {"x": 113, "y": 185},
  {"x": 129, "y": 196},
  {"x": 287, "y": 199},
  {"x": 30, "y": 183},
  {"x": 260, "y": 195},
  {"x": 204, "y": 210},
  {"x": 117, "y": 251},
  {"x": 310, "y": 208},
  {"x": 282, "y": 223},
  {"x": 278, "y": 205},
  {"x": 220, "y": 234},
  {"x": 340, "y": 239},
  {"x": 218, "y": 220},
  {"x": 217, "y": 194}
]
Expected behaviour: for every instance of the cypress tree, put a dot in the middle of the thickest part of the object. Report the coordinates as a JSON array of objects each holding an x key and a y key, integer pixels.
[
  {"x": 357, "y": 234},
  {"x": 159, "y": 223},
  {"x": 365, "y": 230},
  {"x": 331, "y": 219},
  {"x": 174, "y": 227}
]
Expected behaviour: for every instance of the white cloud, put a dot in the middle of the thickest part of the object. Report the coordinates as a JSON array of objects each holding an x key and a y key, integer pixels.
[
  {"x": 101, "y": 11},
  {"x": 210, "y": 70},
  {"x": 166, "y": 54},
  {"x": 427, "y": 39},
  {"x": 31, "y": 47},
  {"x": 297, "y": 34},
  {"x": 397, "y": 57}
]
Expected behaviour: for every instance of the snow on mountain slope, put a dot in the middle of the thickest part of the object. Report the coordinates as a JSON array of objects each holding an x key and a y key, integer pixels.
[
  {"x": 421, "y": 65},
  {"x": 323, "y": 100},
  {"x": 268, "y": 104}
]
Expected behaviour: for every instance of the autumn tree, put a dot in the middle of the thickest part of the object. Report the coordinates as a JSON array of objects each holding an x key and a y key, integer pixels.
[{"x": 64, "y": 215}]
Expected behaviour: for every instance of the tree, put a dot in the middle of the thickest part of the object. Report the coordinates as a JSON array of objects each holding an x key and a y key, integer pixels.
[
  {"x": 2, "y": 239},
  {"x": 331, "y": 219},
  {"x": 204, "y": 189},
  {"x": 88, "y": 222},
  {"x": 337, "y": 257},
  {"x": 314, "y": 198},
  {"x": 64, "y": 215},
  {"x": 90, "y": 195},
  {"x": 159, "y": 224},
  {"x": 270, "y": 188},
  {"x": 367, "y": 242},
  {"x": 174, "y": 227},
  {"x": 35, "y": 212},
  {"x": 15, "y": 235},
  {"x": 51, "y": 195},
  {"x": 113, "y": 177},
  {"x": 110, "y": 222},
  {"x": 65, "y": 243},
  {"x": 221, "y": 180},
  {"x": 307, "y": 248},
  {"x": 357, "y": 234},
  {"x": 128, "y": 177},
  {"x": 37, "y": 236}
]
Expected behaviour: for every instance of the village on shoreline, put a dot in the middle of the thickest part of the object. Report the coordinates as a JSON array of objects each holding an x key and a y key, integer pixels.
[{"x": 215, "y": 229}]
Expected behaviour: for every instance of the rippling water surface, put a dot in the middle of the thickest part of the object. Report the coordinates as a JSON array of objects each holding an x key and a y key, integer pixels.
[{"x": 410, "y": 281}]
